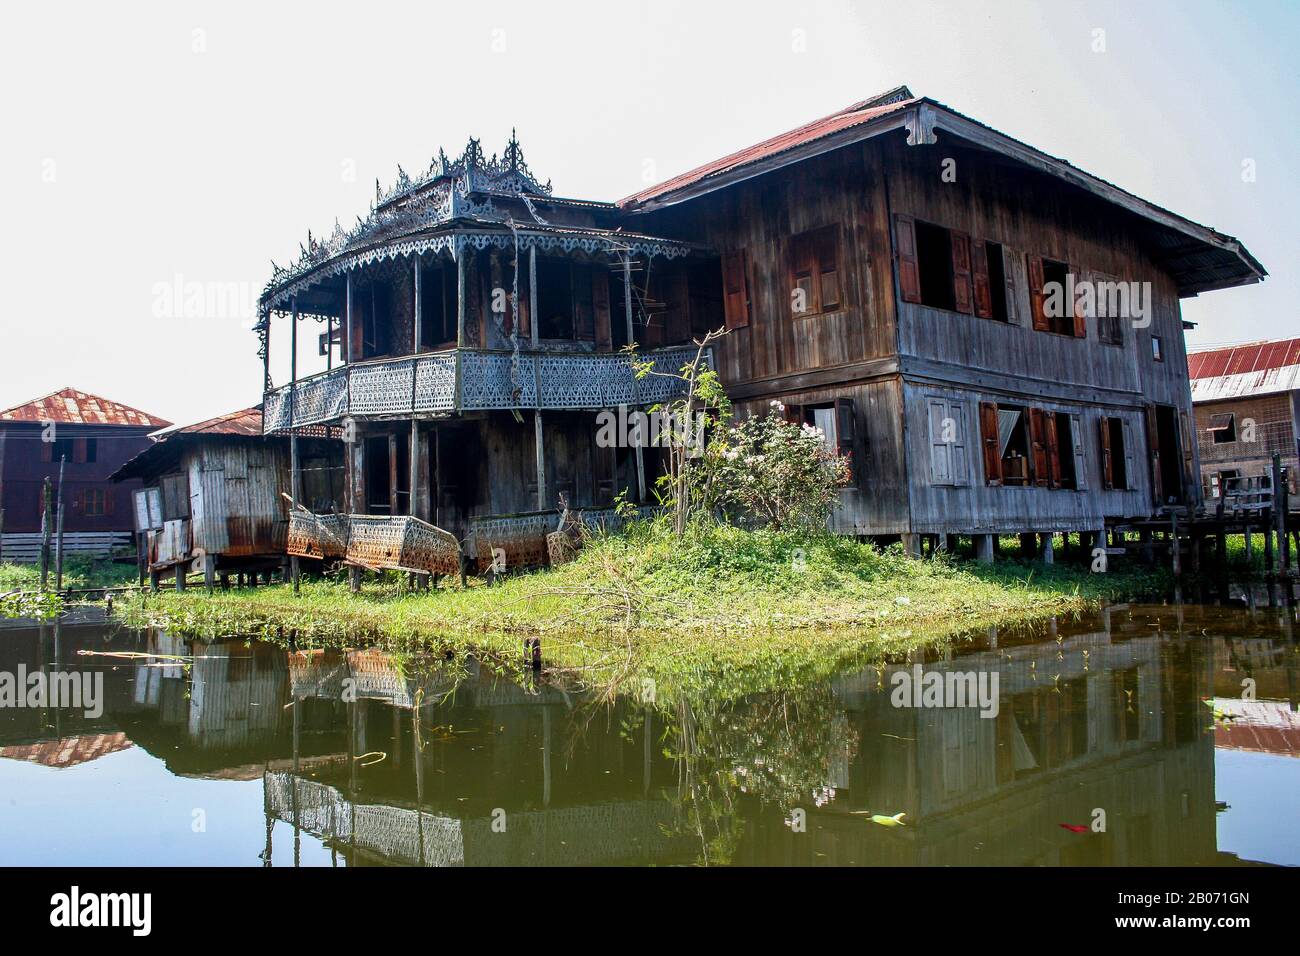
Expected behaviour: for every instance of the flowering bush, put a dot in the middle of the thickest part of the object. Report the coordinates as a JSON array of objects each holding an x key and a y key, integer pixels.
[{"x": 776, "y": 473}]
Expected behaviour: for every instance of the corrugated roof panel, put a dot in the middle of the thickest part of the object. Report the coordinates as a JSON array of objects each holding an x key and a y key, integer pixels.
[{"x": 74, "y": 407}]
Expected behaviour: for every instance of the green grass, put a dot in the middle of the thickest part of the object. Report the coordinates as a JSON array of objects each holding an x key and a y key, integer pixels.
[
  {"x": 78, "y": 572},
  {"x": 730, "y": 609}
]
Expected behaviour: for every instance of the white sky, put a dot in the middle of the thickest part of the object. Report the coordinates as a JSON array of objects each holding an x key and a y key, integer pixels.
[{"x": 131, "y": 158}]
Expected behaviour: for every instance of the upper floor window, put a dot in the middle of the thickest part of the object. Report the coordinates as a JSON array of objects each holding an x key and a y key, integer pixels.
[
  {"x": 1223, "y": 428},
  {"x": 72, "y": 450},
  {"x": 1053, "y": 304},
  {"x": 814, "y": 271},
  {"x": 946, "y": 269},
  {"x": 1157, "y": 349}
]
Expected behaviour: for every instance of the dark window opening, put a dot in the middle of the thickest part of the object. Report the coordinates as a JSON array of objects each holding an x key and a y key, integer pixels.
[
  {"x": 94, "y": 503},
  {"x": 63, "y": 449},
  {"x": 1061, "y": 318},
  {"x": 437, "y": 305},
  {"x": 997, "y": 282},
  {"x": 1118, "y": 454},
  {"x": 1223, "y": 428},
  {"x": 1065, "y": 452},
  {"x": 934, "y": 262},
  {"x": 704, "y": 290},
  {"x": 1157, "y": 349},
  {"x": 555, "y": 299},
  {"x": 92, "y": 450},
  {"x": 378, "y": 476},
  {"x": 1013, "y": 439},
  {"x": 175, "y": 497},
  {"x": 618, "y": 308}
]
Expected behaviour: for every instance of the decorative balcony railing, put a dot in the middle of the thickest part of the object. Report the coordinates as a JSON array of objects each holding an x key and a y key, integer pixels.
[{"x": 474, "y": 380}]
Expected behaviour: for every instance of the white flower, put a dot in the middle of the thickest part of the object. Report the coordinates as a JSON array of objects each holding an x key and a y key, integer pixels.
[{"x": 777, "y": 405}]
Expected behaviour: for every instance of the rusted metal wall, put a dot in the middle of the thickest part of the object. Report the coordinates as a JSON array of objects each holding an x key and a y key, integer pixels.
[{"x": 235, "y": 497}]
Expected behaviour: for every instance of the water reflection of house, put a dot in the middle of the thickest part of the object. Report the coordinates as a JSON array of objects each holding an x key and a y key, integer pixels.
[
  {"x": 67, "y": 751},
  {"x": 1088, "y": 721}
]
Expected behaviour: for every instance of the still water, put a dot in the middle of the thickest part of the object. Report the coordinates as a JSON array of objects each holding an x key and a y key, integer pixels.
[{"x": 1120, "y": 738}]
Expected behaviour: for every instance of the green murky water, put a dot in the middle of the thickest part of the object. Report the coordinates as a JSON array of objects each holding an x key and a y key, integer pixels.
[{"x": 1140, "y": 735}]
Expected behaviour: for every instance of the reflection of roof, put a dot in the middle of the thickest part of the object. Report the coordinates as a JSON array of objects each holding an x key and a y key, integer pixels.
[
  {"x": 68, "y": 751},
  {"x": 1253, "y": 368},
  {"x": 1261, "y": 726},
  {"x": 79, "y": 408}
]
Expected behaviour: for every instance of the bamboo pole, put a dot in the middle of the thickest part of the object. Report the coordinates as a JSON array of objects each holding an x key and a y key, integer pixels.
[{"x": 58, "y": 548}]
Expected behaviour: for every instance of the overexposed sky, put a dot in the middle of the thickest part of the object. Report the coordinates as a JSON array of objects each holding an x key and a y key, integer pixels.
[{"x": 152, "y": 143}]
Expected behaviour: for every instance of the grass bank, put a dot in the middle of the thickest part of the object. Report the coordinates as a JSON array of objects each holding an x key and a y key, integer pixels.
[{"x": 762, "y": 608}]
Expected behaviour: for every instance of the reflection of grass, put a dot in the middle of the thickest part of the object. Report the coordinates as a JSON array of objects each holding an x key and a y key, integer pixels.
[
  {"x": 725, "y": 606},
  {"x": 78, "y": 572}
]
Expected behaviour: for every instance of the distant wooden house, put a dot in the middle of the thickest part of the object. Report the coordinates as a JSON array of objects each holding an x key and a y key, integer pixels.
[
  {"x": 91, "y": 437},
  {"x": 1247, "y": 400},
  {"x": 213, "y": 495},
  {"x": 895, "y": 273}
]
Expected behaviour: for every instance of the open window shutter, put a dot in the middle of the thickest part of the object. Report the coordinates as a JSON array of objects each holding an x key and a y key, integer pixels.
[
  {"x": 1107, "y": 464},
  {"x": 1080, "y": 318},
  {"x": 1036, "y": 296},
  {"x": 1038, "y": 448},
  {"x": 735, "y": 289},
  {"x": 1189, "y": 461},
  {"x": 960, "y": 463},
  {"x": 909, "y": 271},
  {"x": 803, "y": 275},
  {"x": 1153, "y": 448},
  {"x": 828, "y": 254},
  {"x": 990, "y": 443},
  {"x": 979, "y": 265},
  {"x": 846, "y": 429},
  {"x": 793, "y": 414},
  {"x": 1080, "y": 461},
  {"x": 79, "y": 450},
  {"x": 108, "y": 501},
  {"x": 1053, "y": 450},
  {"x": 940, "y": 452},
  {"x": 47, "y": 450},
  {"x": 961, "y": 272},
  {"x": 1130, "y": 455}
]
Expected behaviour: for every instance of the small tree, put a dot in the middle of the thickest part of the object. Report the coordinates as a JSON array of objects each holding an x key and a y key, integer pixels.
[{"x": 682, "y": 424}]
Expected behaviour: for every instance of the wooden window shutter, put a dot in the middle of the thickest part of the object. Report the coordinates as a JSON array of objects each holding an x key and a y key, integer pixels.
[
  {"x": 1130, "y": 449},
  {"x": 1037, "y": 307},
  {"x": 828, "y": 255},
  {"x": 846, "y": 430},
  {"x": 1080, "y": 461},
  {"x": 909, "y": 270},
  {"x": 735, "y": 289},
  {"x": 1080, "y": 317},
  {"x": 1038, "y": 448},
  {"x": 1107, "y": 464},
  {"x": 1189, "y": 448},
  {"x": 108, "y": 501},
  {"x": 1053, "y": 450},
  {"x": 961, "y": 272},
  {"x": 979, "y": 264},
  {"x": 79, "y": 450},
  {"x": 990, "y": 443},
  {"x": 600, "y": 306},
  {"x": 940, "y": 452},
  {"x": 793, "y": 414},
  {"x": 47, "y": 450},
  {"x": 1153, "y": 448}
]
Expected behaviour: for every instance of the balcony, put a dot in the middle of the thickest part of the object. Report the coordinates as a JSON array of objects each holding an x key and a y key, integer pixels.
[{"x": 463, "y": 380}]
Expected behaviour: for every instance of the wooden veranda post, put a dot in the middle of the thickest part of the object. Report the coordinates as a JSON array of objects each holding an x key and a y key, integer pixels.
[
  {"x": 295, "y": 470},
  {"x": 47, "y": 497},
  {"x": 58, "y": 540},
  {"x": 631, "y": 339},
  {"x": 541, "y": 460}
]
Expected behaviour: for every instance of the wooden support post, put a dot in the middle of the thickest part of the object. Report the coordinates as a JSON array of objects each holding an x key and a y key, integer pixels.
[
  {"x": 533, "y": 324},
  {"x": 153, "y": 581},
  {"x": 47, "y": 526},
  {"x": 345, "y": 347},
  {"x": 58, "y": 533},
  {"x": 1047, "y": 542},
  {"x": 984, "y": 548},
  {"x": 912, "y": 545},
  {"x": 179, "y": 568},
  {"x": 209, "y": 571},
  {"x": 1174, "y": 549},
  {"x": 461, "y": 310},
  {"x": 295, "y": 469},
  {"x": 1279, "y": 517},
  {"x": 540, "y": 447},
  {"x": 1249, "y": 546}
]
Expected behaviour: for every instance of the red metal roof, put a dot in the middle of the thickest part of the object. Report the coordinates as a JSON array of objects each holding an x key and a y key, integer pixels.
[
  {"x": 861, "y": 112},
  {"x": 246, "y": 421},
  {"x": 68, "y": 751},
  {"x": 79, "y": 408},
  {"x": 1240, "y": 359}
]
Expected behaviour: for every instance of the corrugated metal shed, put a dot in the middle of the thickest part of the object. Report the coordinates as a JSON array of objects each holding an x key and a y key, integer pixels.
[
  {"x": 1239, "y": 371},
  {"x": 73, "y": 407}
]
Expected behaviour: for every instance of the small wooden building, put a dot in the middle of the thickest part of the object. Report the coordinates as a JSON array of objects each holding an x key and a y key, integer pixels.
[
  {"x": 896, "y": 273},
  {"x": 213, "y": 495},
  {"x": 1247, "y": 400},
  {"x": 90, "y": 437}
]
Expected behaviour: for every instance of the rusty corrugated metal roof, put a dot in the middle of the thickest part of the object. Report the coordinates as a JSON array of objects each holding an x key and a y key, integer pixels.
[
  {"x": 73, "y": 407},
  {"x": 854, "y": 115},
  {"x": 246, "y": 421},
  {"x": 68, "y": 751},
  {"x": 1238, "y": 371}
]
